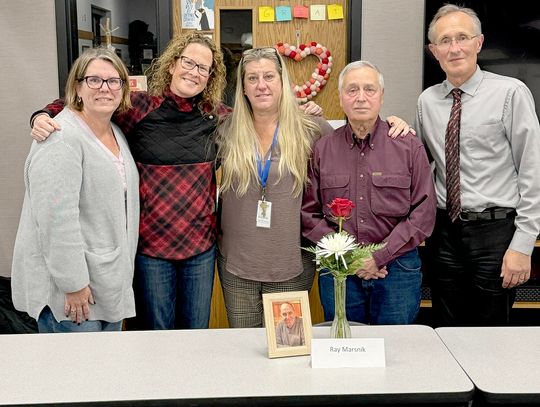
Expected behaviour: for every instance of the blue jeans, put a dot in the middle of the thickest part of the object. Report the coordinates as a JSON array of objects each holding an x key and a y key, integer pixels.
[
  {"x": 174, "y": 294},
  {"x": 48, "y": 324},
  {"x": 392, "y": 300}
]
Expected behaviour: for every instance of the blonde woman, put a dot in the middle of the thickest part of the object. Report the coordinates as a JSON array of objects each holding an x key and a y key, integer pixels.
[
  {"x": 75, "y": 247},
  {"x": 264, "y": 147}
]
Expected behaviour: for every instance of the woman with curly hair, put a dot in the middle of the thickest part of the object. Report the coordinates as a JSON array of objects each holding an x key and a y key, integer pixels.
[{"x": 170, "y": 131}]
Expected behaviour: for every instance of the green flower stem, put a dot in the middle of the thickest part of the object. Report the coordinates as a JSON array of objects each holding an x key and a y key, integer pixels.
[
  {"x": 340, "y": 325},
  {"x": 340, "y": 224}
]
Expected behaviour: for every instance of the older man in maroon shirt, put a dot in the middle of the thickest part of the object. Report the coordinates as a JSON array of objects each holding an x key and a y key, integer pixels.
[{"x": 391, "y": 185}]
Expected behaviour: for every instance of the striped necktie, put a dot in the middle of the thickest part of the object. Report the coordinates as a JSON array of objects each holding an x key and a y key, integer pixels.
[{"x": 453, "y": 199}]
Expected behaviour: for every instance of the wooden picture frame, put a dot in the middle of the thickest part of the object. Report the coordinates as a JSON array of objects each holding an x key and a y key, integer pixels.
[{"x": 287, "y": 316}]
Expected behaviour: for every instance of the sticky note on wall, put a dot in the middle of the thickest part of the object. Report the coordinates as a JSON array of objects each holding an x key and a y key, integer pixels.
[
  {"x": 317, "y": 12},
  {"x": 283, "y": 13},
  {"x": 300, "y": 12},
  {"x": 266, "y": 14},
  {"x": 335, "y": 11}
]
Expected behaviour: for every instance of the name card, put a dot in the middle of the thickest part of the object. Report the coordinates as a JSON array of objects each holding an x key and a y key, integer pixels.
[{"x": 352, "y": 352}]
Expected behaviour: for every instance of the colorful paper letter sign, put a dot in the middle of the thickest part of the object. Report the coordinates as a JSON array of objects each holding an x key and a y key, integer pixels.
[
  {"x": 318, "y": 12},
  {"x": 335, "y": 11},
  {"x": 300, "y": 12},
  {"x": 266, "y": 14},
  {"x": 283, "y": 13}
]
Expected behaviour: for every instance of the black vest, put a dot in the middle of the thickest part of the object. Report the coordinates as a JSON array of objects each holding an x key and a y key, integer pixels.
[{"x": 167, "y": 136}]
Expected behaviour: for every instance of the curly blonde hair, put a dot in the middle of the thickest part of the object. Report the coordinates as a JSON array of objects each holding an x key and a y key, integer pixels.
[{"x": 160, "y": 77}]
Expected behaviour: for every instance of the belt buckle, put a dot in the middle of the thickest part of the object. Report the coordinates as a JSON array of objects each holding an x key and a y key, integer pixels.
[{"x": 462, "y": 218}]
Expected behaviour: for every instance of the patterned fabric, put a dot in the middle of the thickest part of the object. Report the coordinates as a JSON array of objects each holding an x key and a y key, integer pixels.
[
  {"x": 453, "y": 199},
  {"x": 142, "y": 104},
  {"x": 172, "y": 143},
  {"x": 177, "y": 210},
  {"x": 243, "y": 297},
  {"x": 167, "y": 136}
]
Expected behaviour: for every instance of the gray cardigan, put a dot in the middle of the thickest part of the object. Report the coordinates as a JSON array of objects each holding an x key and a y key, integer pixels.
[{"x": 77, "y": 227}]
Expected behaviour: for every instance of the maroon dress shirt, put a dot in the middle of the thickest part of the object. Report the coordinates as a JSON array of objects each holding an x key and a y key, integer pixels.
[{"x": 389, "y": 180}]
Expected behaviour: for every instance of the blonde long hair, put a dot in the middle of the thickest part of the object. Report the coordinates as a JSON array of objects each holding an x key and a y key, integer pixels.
[
  {"x": 236, "y": 136},
  {"x": 160, "y": 77}
]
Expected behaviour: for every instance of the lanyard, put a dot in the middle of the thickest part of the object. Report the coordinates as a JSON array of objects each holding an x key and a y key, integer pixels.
[{"x": 263, "y": 172}]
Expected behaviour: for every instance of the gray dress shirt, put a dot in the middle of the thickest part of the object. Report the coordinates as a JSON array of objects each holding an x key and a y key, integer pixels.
[
  {"x": 293, "y": 336},
  {"x": 500, "y": 148}
]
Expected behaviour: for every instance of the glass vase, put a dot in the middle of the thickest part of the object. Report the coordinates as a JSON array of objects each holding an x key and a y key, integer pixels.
[{"x": 340, "y": 325}]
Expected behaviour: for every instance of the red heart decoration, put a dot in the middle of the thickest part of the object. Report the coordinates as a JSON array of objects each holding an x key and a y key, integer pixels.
[{"x": 320, "y": 74}]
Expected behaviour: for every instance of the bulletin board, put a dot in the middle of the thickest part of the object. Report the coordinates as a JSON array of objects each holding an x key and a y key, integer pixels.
[{"x": 322, "y": 28}]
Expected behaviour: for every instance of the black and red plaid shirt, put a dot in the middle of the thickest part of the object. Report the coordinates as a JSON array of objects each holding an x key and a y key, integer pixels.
[{"x": 173, "y": 145}]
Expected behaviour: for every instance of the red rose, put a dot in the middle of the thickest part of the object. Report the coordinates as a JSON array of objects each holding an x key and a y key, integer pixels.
[{"x": 341, "y": 208}]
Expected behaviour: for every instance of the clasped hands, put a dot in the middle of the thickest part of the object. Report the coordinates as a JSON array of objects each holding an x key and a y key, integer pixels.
[{"x": 370, "y": 271}]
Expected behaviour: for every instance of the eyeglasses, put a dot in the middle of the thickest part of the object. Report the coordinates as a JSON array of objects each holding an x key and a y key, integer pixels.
[
  {"x": 354, "y": 91},
  {"x": 461, "y": 40},
  {"x": 189, "y": 64},
  {"x": 259, "y": 50},
  {"x": 95, "y": 82},
  {"x": 262, "y": 53}
]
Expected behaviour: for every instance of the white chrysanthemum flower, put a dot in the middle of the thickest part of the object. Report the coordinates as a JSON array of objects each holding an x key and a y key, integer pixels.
[{"x": 337, "y": 245}]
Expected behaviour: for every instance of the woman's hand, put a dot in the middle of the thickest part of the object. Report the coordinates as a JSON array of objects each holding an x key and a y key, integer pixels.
[
  {"x": 398, "y": 127},
  {"x": 76, "y": 305},
  {"x": 43, "y": 127},
  {"x": 312, "y": 108}
]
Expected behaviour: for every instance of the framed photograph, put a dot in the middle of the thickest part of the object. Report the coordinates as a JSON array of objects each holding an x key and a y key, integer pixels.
[{"x": 288, "y": 323}]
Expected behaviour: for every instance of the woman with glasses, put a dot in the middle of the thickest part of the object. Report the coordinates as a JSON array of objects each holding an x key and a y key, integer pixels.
[
  {"x": 170, "y": 131},
  {"x": 77, "y": 237}
]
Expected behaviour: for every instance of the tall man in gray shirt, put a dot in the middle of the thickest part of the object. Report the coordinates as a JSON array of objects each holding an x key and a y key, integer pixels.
[{"x": 487, "y": 177}]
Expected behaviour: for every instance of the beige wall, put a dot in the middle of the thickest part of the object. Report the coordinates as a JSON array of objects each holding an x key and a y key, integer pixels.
[
  {"x": 392, "y": 38},
  {"x": 28, "y": 79},
  {"x": 392, "y": 34}
]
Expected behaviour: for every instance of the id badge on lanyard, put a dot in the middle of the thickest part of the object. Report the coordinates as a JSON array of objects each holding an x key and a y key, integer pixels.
[{"x": 264, "y": 207}]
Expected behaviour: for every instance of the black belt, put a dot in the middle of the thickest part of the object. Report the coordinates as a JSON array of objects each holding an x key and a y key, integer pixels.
[{"x": 487, "y": 214}]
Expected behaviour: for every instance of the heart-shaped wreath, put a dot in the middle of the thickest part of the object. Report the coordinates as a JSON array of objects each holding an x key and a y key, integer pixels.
[{"x": 320, "y": 74}]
